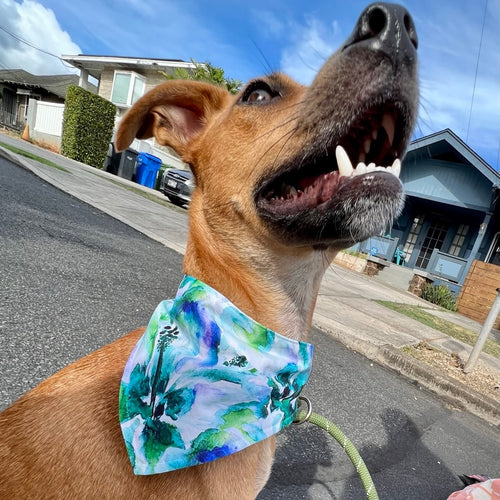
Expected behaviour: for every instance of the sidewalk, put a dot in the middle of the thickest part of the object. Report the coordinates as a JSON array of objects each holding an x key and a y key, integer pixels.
[{"x": 345, "y": 308}]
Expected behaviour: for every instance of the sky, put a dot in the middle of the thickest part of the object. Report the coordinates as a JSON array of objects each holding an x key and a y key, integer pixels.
[{"x": 459, "y": 46}]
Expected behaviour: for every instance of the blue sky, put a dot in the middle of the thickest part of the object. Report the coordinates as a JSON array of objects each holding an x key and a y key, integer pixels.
[{"x": 248, "y": 39}]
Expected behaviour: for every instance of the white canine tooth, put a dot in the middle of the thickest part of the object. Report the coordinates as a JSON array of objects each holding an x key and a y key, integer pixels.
[
  {"x": 396, "y": 167},
  {"x": 389, "y": 125},
  {"x": 343, "y": 162}
]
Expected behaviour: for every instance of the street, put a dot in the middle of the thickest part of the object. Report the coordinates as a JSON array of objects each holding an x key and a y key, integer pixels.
[{"x": 74, "y": 279}]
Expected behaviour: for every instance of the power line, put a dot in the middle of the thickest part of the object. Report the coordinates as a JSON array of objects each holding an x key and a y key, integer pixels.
[
  {"x": 26, "y": 42},
  {"x": 33, "y": 46},
  {"x": 477, "y": 68}
]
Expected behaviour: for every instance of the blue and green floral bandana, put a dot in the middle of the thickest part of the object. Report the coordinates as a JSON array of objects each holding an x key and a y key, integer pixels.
[{"x": 206, "y": 381}]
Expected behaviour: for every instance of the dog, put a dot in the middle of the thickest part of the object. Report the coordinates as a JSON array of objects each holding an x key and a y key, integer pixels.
[{"x": 276, "y": 197}]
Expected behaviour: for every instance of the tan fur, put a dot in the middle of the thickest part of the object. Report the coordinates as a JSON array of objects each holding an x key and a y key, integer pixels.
[{"x": 63, "y": 439}]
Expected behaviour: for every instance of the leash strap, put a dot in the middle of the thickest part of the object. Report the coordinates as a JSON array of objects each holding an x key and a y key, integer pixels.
[{"x": 360, "y": 466}]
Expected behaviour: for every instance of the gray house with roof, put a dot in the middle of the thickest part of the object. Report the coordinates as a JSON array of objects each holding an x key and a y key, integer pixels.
[
  {"x": 451, "y": 215},
  {"x": 17, "y": 87}
]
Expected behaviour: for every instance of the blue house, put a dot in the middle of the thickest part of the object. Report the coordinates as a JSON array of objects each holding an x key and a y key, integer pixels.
[{"x": 451, "y": 215}]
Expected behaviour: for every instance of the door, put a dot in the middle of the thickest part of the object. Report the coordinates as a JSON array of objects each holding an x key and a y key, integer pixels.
[{"x": 434, "y": 238}]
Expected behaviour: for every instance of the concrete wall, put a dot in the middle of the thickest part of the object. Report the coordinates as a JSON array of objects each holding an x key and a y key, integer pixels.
[{"x": 479, "y": 291}]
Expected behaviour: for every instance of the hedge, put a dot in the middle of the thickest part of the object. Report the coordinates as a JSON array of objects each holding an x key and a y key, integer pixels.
[{"x": 87, "y": 126}]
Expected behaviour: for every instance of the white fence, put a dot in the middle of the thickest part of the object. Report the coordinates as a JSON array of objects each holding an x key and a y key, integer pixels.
[{"x": 45, "y": 120}]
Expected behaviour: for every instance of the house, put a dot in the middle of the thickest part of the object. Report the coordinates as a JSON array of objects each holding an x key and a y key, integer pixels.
[
  {"x": 18, "y": 86},
  {"x": 122, "y": 80},
  {"x": 451, "y": 216}
]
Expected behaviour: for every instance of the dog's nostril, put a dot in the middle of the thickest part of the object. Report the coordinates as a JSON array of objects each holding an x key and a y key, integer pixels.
[
  {"x": 386, "y": 28},
  {"x": 376, "y": 21},
  {"x": 410, "y": 29}
]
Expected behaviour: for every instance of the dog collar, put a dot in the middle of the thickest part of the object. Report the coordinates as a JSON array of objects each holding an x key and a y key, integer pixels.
[{"x": 205, "y": 381}]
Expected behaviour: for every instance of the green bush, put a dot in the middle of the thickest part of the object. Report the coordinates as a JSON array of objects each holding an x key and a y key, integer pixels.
[
  {"x": 440, "y": 295},
  {"x": 87, "y": 126}
]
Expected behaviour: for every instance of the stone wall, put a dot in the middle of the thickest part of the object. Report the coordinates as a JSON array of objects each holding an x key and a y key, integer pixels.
[
  {"x": 418, "y": 283},
  {"x": 479, "y": 291},
  {"x": 350, "y": 261}
]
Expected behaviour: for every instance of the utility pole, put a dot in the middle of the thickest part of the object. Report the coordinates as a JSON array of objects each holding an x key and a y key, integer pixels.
[{"x": 483, "y": 334}]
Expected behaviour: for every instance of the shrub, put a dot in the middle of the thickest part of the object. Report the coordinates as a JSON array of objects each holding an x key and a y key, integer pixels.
[
  {"x": 87, "y": 126},
  {"x": 440, "y": 295}
]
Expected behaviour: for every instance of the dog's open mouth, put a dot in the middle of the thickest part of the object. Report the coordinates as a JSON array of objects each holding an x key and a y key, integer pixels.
[{"x": 373, "y": 144}]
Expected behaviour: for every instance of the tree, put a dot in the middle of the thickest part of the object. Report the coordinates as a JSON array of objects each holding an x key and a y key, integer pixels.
[{"x": 206, "y": 72}]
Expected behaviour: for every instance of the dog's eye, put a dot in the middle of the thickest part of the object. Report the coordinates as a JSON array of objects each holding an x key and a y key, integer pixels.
[
  {"x": 259, "y": 96},
  {"x": 258, "y": 92}
]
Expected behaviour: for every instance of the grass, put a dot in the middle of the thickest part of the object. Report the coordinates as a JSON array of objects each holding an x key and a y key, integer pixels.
[
  {"x": 33, "y": 157},
  {"x": 456, "y": 331}
]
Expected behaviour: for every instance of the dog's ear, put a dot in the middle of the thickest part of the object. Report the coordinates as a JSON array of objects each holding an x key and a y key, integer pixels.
[{"x": 174, "y": 113}]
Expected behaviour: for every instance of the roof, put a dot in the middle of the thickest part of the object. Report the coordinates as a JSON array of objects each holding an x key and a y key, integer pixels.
[
  {"x": 448, "y": 145},
  {"x": 55, "y": 84},
  {"x": 95, "y": 65}
]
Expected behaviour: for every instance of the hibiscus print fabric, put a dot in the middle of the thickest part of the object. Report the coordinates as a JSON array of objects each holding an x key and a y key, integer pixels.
[{"x": 206, "y": 381}]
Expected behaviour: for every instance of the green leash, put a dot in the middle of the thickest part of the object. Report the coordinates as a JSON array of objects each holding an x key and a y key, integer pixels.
[{"x": 349, "y": 448}]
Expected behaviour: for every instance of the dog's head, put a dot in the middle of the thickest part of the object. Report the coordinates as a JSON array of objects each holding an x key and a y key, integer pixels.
[{"x": 303, "y": 166}]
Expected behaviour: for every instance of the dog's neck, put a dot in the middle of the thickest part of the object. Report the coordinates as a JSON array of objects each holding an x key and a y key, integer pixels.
[{"x": 276, "y": 288}]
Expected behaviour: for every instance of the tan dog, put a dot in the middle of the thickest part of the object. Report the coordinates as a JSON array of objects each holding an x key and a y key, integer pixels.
[{"x": 275, "y": 199}]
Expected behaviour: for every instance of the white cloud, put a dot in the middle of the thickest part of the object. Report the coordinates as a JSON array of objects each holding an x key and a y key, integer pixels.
[
  {"x": 38, "y": 25},
  {"x": 310, "y": 46}
]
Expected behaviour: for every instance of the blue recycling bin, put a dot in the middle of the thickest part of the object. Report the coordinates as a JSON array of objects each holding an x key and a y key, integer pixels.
[{"x": 147, "y": 169}]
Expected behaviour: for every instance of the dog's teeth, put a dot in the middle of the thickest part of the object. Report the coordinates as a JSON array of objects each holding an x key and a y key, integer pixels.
[
  {"x": 396, "y": 167},
  {"x": 360, "y": 169},
  {"x": 388, "y": 124},
  {"x": 343, "y": 162},
  {"x": 367, "y": 145},
  {"x": 374, "y": 134},
  {"x": 371, "y": 167},
  {"x": 290, "y": 191}
]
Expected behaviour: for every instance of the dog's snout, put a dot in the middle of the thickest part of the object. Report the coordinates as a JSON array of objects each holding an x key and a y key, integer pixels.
[{"x": 388, "y": 28}]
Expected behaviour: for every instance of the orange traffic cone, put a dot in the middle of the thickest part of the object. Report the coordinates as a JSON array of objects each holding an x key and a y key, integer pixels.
[{"x": 26, "y": 133}]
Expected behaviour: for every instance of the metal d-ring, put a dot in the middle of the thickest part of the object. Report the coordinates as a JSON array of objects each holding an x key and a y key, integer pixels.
[{"x": 303, "y": 399}]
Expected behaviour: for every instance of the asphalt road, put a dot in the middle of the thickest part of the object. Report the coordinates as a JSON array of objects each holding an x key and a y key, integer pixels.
[{"x": 73, "y": 279}]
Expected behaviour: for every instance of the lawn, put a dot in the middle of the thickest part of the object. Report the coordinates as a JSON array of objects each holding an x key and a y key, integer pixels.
[
  {"x": 32, "y": 156},
  {"x": 465, "y": 335}
]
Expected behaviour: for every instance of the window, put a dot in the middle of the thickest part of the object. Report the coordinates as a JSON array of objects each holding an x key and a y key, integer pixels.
[
  {"x": 413, "y": 235},
  {"x": 127, "y": 88},
  {"x": 459, "y": 239}
]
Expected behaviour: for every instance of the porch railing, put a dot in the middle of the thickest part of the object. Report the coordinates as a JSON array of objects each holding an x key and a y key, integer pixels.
[
  {"x": 383, "y": 247},
  {"x": 11, "y": 120},
  {"x": 446, "y": 266}
]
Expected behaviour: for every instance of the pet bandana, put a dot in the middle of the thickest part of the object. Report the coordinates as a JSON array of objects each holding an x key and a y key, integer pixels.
[{"x": 206, "y": 381}]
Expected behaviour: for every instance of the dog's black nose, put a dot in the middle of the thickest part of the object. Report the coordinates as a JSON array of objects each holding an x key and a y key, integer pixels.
[{"x": 388, "y": 28}]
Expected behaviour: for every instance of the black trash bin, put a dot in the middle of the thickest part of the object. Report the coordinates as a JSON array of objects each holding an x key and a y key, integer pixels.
[
  {"x": 126, "y": 167},
  {"x": 112, "y": 160}
]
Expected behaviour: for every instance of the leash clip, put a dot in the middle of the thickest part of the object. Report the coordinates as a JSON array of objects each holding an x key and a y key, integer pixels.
[{"x": 300, "y": 419}]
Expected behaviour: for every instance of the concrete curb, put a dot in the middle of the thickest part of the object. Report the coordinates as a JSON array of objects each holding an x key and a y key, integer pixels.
[
  {"x": 454, "y": 391},
  {"x": 447, "y": 388}
]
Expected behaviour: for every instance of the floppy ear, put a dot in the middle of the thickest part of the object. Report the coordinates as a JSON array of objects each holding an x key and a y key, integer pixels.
[{"x": 174, "y": 113}]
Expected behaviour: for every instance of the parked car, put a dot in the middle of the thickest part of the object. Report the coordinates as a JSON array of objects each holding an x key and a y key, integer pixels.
[{"x": 177, "y": 185}]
